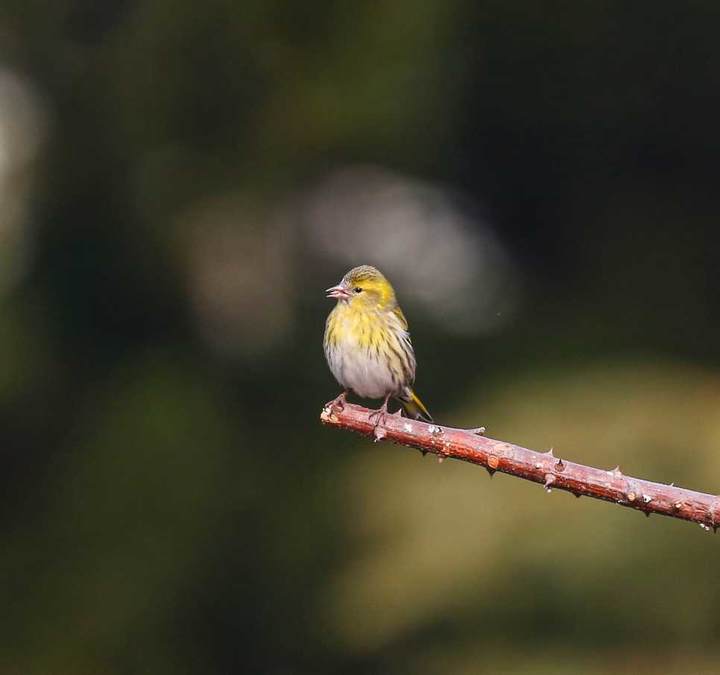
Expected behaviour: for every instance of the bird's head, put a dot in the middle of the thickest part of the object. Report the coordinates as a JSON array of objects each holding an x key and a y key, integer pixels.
[{"x": 364, "y": 287}]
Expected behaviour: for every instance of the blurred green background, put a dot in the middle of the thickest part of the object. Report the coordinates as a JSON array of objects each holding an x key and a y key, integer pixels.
[{"x": 179, "y": 182}]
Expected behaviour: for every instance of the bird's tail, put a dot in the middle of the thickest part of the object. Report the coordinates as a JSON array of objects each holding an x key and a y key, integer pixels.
[{"x": 413, "y": 406}]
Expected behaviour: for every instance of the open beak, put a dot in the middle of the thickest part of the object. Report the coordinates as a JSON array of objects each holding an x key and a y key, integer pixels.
[{"x": 339, "y": 292}]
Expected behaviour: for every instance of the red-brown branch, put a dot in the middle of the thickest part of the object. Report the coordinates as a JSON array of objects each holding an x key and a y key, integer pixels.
[{"x": 539, "y": 467}]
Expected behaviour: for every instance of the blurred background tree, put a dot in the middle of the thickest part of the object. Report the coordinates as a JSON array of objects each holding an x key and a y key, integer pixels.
[{"x": 179, "y": 182}]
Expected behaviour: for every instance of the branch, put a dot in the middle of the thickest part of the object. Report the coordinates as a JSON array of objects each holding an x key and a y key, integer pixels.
[{"x": 539, "y": 467}]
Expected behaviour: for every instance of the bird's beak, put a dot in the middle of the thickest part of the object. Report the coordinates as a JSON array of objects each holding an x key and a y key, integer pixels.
[{"x": 338, "y": 292}]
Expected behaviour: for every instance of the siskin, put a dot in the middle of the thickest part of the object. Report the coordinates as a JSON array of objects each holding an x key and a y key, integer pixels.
[{"x": 367, "y": 344}]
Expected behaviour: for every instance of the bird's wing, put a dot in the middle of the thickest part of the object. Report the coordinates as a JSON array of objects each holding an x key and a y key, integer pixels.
[
  {"x": 399, "y": 314},
  {"x": 403, "y": 337}
]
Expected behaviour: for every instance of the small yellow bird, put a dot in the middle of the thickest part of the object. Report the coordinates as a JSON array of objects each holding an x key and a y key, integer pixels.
[{"x": 367, "y": 344}]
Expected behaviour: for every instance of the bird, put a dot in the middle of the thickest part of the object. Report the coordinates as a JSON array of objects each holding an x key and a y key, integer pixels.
[{"x": 367, "y": 344}]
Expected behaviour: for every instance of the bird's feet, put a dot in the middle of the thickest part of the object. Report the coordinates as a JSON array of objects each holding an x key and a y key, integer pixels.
[
  {"x": 377, "y": 417},
  {"x": 337, "y": 403}
]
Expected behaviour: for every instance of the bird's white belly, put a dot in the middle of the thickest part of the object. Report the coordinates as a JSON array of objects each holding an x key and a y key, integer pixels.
[{"x": 356, "y": 368}]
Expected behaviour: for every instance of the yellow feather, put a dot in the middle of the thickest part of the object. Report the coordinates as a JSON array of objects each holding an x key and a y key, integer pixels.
[{"x": 367, "y": 345}]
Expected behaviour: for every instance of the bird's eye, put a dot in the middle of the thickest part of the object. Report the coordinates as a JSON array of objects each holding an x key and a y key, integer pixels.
[{"x": 357, "y": 289}]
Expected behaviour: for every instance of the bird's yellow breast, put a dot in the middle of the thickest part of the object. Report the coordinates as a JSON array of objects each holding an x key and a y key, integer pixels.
[{"x": 347, "y": 324}]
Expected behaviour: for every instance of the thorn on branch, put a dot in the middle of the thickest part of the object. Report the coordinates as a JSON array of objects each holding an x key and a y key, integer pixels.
[
  {"x": 549, "y": 480},
  {"x": 560, "y": 466},
  {"x": 632, "y": 490}
]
